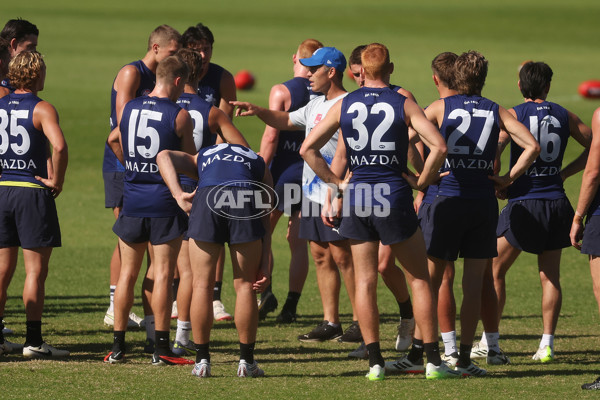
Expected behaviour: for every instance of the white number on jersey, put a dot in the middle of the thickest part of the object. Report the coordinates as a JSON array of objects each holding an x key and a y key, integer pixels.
[
  {"x": 358, "y": 124},
  {"x": 541, "y": 133},
  {"x": 143, "y": 131},
  {"x": 15, "y": 130},
  {"x": 462, "y": 129},
  {"x": 198, "y": 128}
]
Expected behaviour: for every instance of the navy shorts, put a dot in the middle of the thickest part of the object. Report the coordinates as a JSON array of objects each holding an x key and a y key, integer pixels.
[
  {"x": 207, "y": 225},
  {"x": 591, "y": 236},
  {"x": 28, "y": 218},
  {"x": 187, "y": 189},
  {"x": 399, "y": 225},
  {"x": 156, "y": 230},
  {"x": 282, "y": 204},
  {"x": 458, "y": 227},
  {"x": 113, "y": 189},
  {"x": 312, "y": 227},
  {"x": 536, "y": 225},
  {"x": 423, "y": 213}
]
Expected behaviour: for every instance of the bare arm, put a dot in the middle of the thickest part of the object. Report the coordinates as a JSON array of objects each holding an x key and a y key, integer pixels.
[
  {"x": 114, "y": 142},
  {"x": 170, "y": 163},
  {"x": 126, "y": 84},
  {"x": 431, "y": 137},
  {"x": 228, "y": 93},
  {"x": 277, "y": 119},
  {"x": 316, "y": 139},
  {"x": 583, "y": 135},
  {"x": 279, "y": 96},
  {"x": 45, "y": 118},
  {"x": 524, "y": 139},
  {"x": 219, "y": 122}
]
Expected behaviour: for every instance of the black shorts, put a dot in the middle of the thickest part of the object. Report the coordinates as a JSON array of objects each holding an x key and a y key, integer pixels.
[
  {"x": 156, "y": 230},
  {"x": 536, "y": 225},
  {"x": 187, "y": 189},
  {"x": 28, "y": 218},
  {"x": 460, "y": 227},
  {"x": 113, "y": 189},
  {"x": 207, "y": 225},
  {"x": 399, "y": 225},
  {"x": 286, "y": 203},
  {"x": 591, "y": 236},
  {"x": 312, "y": 227}
]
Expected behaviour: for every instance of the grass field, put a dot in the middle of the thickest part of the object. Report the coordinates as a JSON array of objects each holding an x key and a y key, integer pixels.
[{"x": 85, "y": 43}]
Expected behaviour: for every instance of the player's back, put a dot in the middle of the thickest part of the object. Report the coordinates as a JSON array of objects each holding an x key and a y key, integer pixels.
[
  {"x": 226, "y": 163},
  {"x": 549, "y": 124},
  {"x": 22, "y": 147},
  {"x": 471, "y": 129},
  {"x": 287, "y": 164},
  {"x": 376, "y": 139},
  {"x": 209, "y": 87},
  {"x": 147, "y": 127}
]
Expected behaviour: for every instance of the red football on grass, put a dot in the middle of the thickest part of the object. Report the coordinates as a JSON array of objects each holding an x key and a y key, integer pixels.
[
  {"x": 590, "y": 89},
  {"x": 244, "y": 80}
]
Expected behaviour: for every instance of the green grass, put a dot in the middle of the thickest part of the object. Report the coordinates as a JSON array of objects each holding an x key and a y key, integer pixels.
[{"x": 85, "y": 43}]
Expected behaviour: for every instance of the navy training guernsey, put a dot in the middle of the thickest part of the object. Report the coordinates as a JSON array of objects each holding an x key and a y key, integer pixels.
[
  {"x": 199, "y": 111},
  {"x": 287, "y": 164},
  {"x": 147, "y": 81},
  {"x": 209, "y": 87},
  {"x": 23, "y": 148},
  {"x": 224, "y": 162},
  {"x": 549, "y": 125},
  {"x": 376, "y": 139},
  {"x": 470, "y": 128},
  {"x": 147, "y": 127}
]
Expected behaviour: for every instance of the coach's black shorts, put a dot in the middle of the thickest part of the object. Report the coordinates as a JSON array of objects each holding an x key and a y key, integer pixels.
[
  {"x": 591, "y": 236},
  {"x": 399, "y": 225},
  {"x": 156, "y": 230},
  {"x": 312, "y": 226},
  {"x": 227, "y": 225},
  {"x": 460, "y": 227},
  {"x": 113, "y": 189},
  {"x": 28, "y": 218},
  {"x": 536, "y": 225},
  {"x": 282, "y": 204}
]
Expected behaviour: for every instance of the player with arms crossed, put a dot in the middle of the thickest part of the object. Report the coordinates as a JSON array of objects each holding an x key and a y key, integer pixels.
[
  {"x": 208, "y": 122},
  {"x": 374, "y": 122},
  {"x": 280, "y": 150},
  {"x": 28, "y": 126},
  {"x": 211, "y": 225},
  {"x": 537, "y": 218},
  {"x": 463, "y": 217},
  {"x": 150, "y": 214}
]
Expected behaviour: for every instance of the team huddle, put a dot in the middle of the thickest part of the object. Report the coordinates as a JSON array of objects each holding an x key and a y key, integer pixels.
[{"x": 182, "y": 181}]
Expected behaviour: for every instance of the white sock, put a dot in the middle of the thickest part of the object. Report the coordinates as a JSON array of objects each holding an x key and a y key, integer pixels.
[
  {"x": 449, "y": 339},
  {"x": 491, "y": 339},
  {"x": 547, "y": 340},
  {"x": 111, "y": 305},
  {"x": 183, "y": 332},
  {"x": 483, "y": 340},
  {"x": 149, "y": 320}
]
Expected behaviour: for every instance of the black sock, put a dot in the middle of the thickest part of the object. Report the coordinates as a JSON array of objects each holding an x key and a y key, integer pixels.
[
  {"x": 268, "y": 290},
  {"x": 291, "y": 303},
  {"x": 161, "y": 340},
  {"x": 433, "y": 353},
  {"x": 33, "y": 337},
  {"x": 247, "y": 352},
  {"x": 175, "y": 287},
  {"x": 118, "y": 342},
  {"x": 406, "y": 310},
  {"x": 217, "y": 292},
  {"x": 375, "y": 355},
  {"x": 416, "y": 351},
  {"x": 1, "y": 329},
  {"x": 464, "y": 357},
  {"x": 202, "y": 352}
]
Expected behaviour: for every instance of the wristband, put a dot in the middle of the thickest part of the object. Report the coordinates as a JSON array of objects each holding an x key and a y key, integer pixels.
[{"x": 339, "y": 194}]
